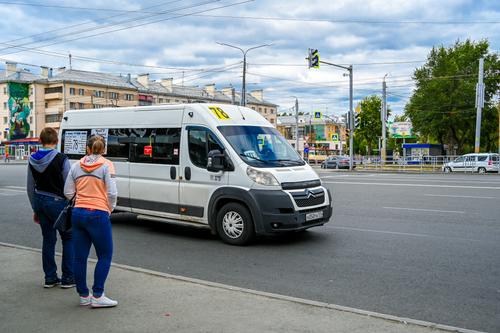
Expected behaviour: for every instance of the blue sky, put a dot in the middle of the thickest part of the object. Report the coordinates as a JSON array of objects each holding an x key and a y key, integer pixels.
[{"x": 345, "y": 32}]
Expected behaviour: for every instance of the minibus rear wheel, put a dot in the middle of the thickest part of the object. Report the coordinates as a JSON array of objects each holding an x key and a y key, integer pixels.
[{"x": 234, "y": 224}]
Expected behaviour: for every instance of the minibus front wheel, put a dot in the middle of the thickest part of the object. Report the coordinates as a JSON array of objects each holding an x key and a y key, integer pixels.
[{"x": 234, "y": 224}]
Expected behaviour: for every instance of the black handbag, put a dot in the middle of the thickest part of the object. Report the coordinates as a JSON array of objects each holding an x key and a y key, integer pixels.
[{"x": 63, "y": 222}]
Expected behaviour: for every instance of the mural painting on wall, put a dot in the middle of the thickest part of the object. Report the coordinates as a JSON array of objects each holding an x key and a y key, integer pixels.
[{"x": 19, "y": 110}]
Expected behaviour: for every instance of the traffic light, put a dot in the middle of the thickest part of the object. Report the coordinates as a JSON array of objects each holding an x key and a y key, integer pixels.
[
  {"x": 356, "y": 120},
  {"x": 313, "y": 58},
  {"x": 347, "y": 133}
]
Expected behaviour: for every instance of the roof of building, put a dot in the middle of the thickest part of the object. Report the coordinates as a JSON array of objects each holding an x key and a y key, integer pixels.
[
  {"x": 125, "y": 82},
  {"x": 93, "y": 78},
  {"x": 19, "y": 76}
]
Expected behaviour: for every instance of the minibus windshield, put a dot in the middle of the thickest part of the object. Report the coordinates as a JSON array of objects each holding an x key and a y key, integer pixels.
[{"x": 261, "y": 146}]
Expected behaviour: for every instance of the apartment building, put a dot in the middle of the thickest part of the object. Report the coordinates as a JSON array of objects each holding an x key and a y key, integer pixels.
[{"x": 29, "y": 102}]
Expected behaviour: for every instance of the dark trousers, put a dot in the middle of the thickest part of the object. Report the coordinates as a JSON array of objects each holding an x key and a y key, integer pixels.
[
  {"x": 47, "y": 209},
  {"x": 92, "y": 227}
]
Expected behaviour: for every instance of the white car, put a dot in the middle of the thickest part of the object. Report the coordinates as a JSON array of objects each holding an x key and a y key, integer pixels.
[{"x": 481, "y": 163}]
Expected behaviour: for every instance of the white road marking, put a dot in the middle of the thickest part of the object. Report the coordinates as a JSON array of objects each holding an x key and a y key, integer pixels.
[
  {"x": 15, "y": 187},
  {"x": 416, "y": 185},
  {"x": 458, "y": 196},
  {"x": 411, "y": 179},
  {"x": 426, "y": 210},
  {"x": 403, "y": 233},
  {"x": 12, "y": 190}
]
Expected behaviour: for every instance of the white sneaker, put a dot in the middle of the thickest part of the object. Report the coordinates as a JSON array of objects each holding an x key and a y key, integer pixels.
[
  {"x": 103, "y": 302},
  {"x": 84, "y": 301}
]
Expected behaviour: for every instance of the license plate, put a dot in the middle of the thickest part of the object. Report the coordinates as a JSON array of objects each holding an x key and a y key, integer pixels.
[{"x": 314, "y": 216}]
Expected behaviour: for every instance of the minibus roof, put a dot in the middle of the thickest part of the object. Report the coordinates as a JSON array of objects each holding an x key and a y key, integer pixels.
[{"x": 211, "y": 115}]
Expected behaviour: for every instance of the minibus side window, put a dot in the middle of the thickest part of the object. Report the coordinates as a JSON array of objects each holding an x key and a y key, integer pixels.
[
  {"x": 155, "y": 145},
  {"x": 118, "y": 144},
  {"x": 200, "y": 142}
]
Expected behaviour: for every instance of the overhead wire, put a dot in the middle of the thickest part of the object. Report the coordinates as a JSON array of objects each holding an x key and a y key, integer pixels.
[{"x": 23, "y": 48}]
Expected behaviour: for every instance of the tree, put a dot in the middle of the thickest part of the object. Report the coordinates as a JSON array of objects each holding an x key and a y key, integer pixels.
[
  {"x": 442, "y": 106},
  {"x": 370, "y": 125}
]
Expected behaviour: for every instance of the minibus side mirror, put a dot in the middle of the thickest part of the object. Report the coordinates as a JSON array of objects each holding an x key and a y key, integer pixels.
[{"x": 216, "y": 161}]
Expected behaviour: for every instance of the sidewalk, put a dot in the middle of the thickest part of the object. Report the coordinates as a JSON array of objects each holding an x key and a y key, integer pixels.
[{"x": 157, "y": 302}]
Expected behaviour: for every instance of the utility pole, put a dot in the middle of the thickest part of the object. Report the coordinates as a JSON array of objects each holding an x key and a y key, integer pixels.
[
  {"x": 479, "y": 105},
  {"x": 297, "y": 124},
  {"x": 243, "y": 86},
  {"x": 383, "y": 118},
  {"x": 351, "y": 122}
]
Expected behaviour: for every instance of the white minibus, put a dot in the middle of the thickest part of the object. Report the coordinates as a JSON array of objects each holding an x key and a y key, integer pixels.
[{"x": 222, "y": 167}]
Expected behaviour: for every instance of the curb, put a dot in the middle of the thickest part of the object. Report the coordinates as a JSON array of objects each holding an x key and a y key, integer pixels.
[{"x": 401, "y": 320}]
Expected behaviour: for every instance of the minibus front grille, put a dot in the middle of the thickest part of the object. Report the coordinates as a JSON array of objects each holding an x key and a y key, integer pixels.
[{"x": 308, "y": 197}]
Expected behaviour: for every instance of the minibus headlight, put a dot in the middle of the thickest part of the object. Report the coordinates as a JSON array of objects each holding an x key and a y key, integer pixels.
[{"x": 262, "y": 177}]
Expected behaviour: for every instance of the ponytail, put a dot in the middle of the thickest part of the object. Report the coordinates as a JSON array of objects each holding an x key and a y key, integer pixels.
[{"x": 96, "y": 145}]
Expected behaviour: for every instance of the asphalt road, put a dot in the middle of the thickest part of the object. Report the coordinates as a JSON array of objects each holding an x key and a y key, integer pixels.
[{"x": 420, "y": 246}]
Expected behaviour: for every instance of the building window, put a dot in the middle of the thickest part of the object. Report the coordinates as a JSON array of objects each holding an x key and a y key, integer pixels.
[
  {"x": 53, "y": 90},
  {"x": 265, "y": 110},
  {"x": 31, "y": 91},
  {"x": 5, "y": 120},
  {"x": 253, "y": 108},
  {"x": 129, "y": 97},
  {"x": 160, "y": 100},
  {"x": 5, "y": 105},
  {"x": 271, "y": 120},
  {"x": 31, "y": 120},
  {"x": 98, "y": 106},
  {"x": 46, "y": 104},
  {"x": 71, "y": 91},
  {"x": 260, "y": 110},
  {"x": 167, "y": 101},
  {"x": 98, "y": 93},
  {"x": 81, "y": 106},
  {"x": 113, "y": 95},
  {"x": 81, "y": 92},
  {"x": 176, "y": 101},
  {"x": 31, "y": 134},
  {"x": 72, "y": 105},
  {"x": 53, "y": 118},
  {"x": 31, "y": 105},
  {"x": 272, "y": 111},
  {"x": 4, "y": 134},
  {"x": 5, "y": 90}
]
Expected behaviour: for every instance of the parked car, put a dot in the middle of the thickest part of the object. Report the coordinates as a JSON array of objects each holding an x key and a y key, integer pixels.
[
  {"x": 337, "y": 162},
  {"x": 481, "y": 163}
]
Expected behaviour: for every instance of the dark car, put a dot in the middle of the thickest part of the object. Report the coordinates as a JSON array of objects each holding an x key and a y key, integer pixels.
[{"x": 336, "y": 162}]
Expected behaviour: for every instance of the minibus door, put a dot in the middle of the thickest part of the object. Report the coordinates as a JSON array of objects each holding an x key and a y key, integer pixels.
[
  {"x": 197, "y": 183},
  {"x": 154, "y": 171}
]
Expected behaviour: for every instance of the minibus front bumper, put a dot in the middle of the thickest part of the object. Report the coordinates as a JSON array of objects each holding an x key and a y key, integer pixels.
[{"x": 275, "y": 213}]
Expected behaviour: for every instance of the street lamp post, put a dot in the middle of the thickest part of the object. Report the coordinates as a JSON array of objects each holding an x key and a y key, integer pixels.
[{"x": 243, "y": 86}]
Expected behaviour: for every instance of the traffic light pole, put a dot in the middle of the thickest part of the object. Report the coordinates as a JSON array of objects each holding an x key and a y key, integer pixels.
[
  {"x": 351, "y": 111},
  {"x": 383, "y": 118}
]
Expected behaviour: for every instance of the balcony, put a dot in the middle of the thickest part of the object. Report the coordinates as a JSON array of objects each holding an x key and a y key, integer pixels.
[
  {"x": 55, "y": 95},
  {"x": 54, "y": 110}
]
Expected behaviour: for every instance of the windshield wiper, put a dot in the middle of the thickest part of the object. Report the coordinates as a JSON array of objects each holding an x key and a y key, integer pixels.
[
  {"x": 287, "y": 160},
  {"x": 254, "y": 158}
]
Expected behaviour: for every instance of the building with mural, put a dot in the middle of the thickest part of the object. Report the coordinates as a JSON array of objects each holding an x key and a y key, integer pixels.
[{"x": 30, "y": 101}]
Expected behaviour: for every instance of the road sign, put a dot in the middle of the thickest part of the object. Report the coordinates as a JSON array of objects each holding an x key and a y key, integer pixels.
[
  {"x": 318, "y": 115},
  {"x": 306, "y": 150},
  {"x": 335, "y": 137}
]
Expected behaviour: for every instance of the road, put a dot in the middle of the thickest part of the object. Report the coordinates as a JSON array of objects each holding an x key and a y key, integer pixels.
[{"x": 420, "y": 246}]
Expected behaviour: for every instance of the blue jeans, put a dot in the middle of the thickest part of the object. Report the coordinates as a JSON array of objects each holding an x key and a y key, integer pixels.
[
  {"x": 92, "y": 227},
  {"x": 48, "y": 208}
]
